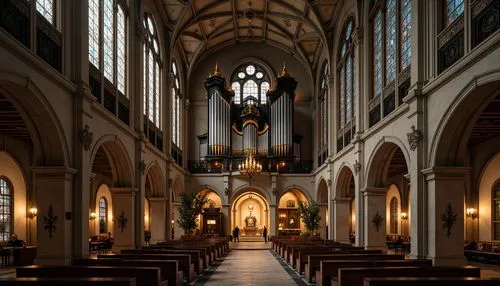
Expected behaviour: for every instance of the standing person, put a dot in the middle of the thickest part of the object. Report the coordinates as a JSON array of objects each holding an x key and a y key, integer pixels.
[
  {"x": 264, "y": 234},
  {"x": 236, "y": 234}
]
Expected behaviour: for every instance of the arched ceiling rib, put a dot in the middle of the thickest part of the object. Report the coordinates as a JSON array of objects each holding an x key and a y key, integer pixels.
[{"x": 298, "y": 25}]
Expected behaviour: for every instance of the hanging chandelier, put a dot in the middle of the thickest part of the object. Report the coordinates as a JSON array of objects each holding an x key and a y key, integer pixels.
[{"x": 250, "y": 167}]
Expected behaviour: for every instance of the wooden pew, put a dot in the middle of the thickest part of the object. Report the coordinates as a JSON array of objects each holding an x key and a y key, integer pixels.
[
  {"x": 203, "y": 251},
  {"x": 93, "y": 281},
  {"x": 303, "y": 255},
  {"x": 314, "y": 260},
  {"x": 430, "y": 281},
  {"x": 295, "y": 251},
  {"x": 145, "y": 276},
  {"x": 354, "y": 276},
  {"x": 183, "y": 260},
  {"x": 195, "y": 255},
  {"x": 169, "y": 270},
  {"x": 329, "y": 268}
]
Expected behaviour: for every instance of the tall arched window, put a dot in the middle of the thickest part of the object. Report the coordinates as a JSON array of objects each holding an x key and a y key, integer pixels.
[
  {"x": 6, "y": 209},
  {"x": 323, "y": 115},
  {"x": 394, "y": 215},
  {"x": 47, "y": 9},
  {"x": 176, "y": 107},
  {"x": 151, "y": 84},
  {"x": 391, "y": 26},
  {"x": 250, "y": 84},
  {"x": 103, "y": 215},
  {"x": 496, "y": 211},
  {"x": 345, "y": 69},
  {"x": 108, "y": 55}
]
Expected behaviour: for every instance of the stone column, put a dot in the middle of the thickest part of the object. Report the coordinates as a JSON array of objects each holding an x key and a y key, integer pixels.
[
  {"x": 323, "y": 213},
  {"x": 445, "y": 201},
  {"x": 124, "y": 210},
  {"x": 273, "y": 226},
  {"x": 53, "y": 196},
  {"x": 374, "y": 201},
  {"x": 158, "y": 215},
  {"x": 226, "y": 214},
  {"x": 341, "y": 217}
]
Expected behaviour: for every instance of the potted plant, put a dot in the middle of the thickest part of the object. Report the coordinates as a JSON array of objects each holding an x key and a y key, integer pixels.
[
  {"x": 191, "y": 206},
  {"x": 309, "y": 213}
]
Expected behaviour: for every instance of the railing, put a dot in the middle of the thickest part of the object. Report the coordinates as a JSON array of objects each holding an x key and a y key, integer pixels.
[{"x": 205, "y": 167}]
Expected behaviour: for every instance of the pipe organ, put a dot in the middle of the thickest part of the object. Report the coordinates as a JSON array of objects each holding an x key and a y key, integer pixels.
[{"x": 250, "y": 118}]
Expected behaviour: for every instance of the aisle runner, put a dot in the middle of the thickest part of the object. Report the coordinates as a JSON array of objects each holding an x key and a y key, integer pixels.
[{"x": 249, "y": 267}]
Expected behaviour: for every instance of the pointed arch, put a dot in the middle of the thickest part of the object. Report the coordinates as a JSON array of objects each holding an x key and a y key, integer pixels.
[{"x": 155, "y": 182}]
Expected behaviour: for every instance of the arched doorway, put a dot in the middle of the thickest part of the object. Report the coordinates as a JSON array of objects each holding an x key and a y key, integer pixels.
[
  {"x": 155, "y": 204},
  {"x": 289, "y": 222},
  {"x": 466, "y": 141},
  {"x": 387, "y": 175},
  {"x": 344, "y": 207},
  {"x": 250, "y": 212},
  {"x": 322, "y": 201},
  {"x": 211, "y": 220}
]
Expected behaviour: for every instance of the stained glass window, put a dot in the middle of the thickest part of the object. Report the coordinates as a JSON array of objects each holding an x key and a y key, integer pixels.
[
  {"x": 346, "y": 72},
  {"x": 46, "y": 8},
  {"x": 405, "y": 33},
  {"x": 94, "y": 32},
  {"x": 176, "y": 108},
  {"x": 103, "y": 215},
  {"x": 108, "y": 41},
  {"x": 391, "y": 24},
  {"x": 264, "y": 87},
  {"x": 237, "y": 92},
  {"x": 250, "y": 80},
  {"x": 151, "y": 75},
  {"x": 453, "y": 9},
  {"x": 5, "y": 210},
  {"x": 394, "y": 215},
  {"x": 323, "y": 109},
  {"x": 390, "y": 41}
]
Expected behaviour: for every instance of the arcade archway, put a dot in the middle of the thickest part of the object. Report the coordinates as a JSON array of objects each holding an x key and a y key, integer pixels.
[
  {"x": 289, "y": 222},
  {"x": 250, "y": 212}
]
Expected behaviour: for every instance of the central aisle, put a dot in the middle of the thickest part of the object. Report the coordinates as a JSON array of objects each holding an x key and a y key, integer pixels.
[{"x": 250, "y": 267}]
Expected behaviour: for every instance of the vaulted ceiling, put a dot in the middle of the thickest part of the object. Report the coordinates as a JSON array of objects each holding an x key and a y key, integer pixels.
[{"x": 296, "y": 26}]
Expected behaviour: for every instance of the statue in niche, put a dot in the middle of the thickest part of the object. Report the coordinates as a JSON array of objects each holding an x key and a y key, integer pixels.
[{"x": 250, "y": 220}]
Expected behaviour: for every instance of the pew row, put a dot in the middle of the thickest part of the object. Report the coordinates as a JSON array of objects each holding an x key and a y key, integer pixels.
[
  {"x": 354, "y": 276},
  {"x": 430, "y": 281},
  {"x": 93, "y": 281},
  {"x": 329, "y": 268},
  {"x": 145, "y": 276}
]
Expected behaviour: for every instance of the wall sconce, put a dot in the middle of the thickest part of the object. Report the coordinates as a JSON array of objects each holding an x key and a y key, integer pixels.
[
  {"x": 33, "y": 211},
  {"x": 471, "y": 212},
  {"x": 172, "y": 222},
  {"x": 404, "y": 216},
  {"x": 282, "y": 215},
  {"x": 93, "y": 216}
]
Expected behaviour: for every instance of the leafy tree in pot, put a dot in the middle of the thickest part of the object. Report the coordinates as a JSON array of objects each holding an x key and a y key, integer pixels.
[
  {"x": 309, "y": 213},
  {"x": 190, "y": 208}
]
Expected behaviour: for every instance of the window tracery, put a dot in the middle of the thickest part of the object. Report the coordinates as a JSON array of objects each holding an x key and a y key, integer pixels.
[
  {"x": 394, "y": 215},
  {"x": 151, "y": 74},
  {"x": 103, "y": 215},
  {"x": 6, "y": 209},
  {"x": 250, "y": 84},
  {"x": 323, "y": 115}
]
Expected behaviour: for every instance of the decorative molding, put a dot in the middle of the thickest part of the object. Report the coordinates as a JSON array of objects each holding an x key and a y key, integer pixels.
[
  {"x": 122, "y": 221},
  {"x": 377, "y": 221},
  {"x": 414, "y": 137},
  {"x": 448, "y": 218},
  {"x": 226, "y": 191},
  {"x": 86, "y": 137},
  {"x": 329, "y": 182},
  {"x": 142, "y": 166},
  {"x": 357, "y": 167},
  {"x": 479, "y": 6},
  {"x": 450, "y": 32},
  {"x": 405, "y": 74},
  {"x": 275, "y": 191},
  {"x": 50, "y": 221}
]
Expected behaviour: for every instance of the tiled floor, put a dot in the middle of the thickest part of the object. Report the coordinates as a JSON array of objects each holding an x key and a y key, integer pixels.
[{"x": 250, "y": 266}]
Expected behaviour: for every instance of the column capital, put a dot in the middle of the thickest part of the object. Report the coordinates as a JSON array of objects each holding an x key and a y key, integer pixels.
[
  {"x": 123, "y": 191},
  {"x": 374, "y": 191},
  {"x": 341, "y": 200},
  {"x": 157, "y": 199},
  {"x": 53, "y": 172},
  {"x": 449, "y": 173}
]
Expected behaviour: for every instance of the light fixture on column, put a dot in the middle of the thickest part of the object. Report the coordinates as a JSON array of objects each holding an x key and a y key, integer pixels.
[
  {"x": 404, "y": 216},
  {"x": 33, "y": 211},
  {"x": 471, "y": 213},
  {"x": 93, "y": 216}
]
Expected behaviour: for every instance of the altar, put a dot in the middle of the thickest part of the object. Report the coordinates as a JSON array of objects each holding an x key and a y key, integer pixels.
[{"x": 250, "y": 227}]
